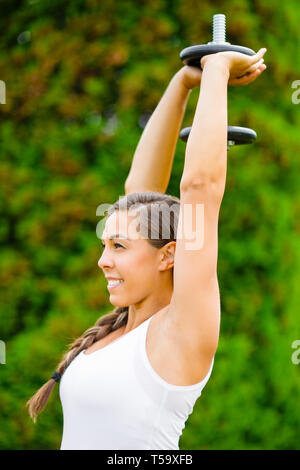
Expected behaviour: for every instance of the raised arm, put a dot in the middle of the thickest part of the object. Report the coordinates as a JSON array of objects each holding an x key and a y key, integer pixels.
[
  {"x": 206, "y": 150},
  {"x": 195, "y": 306},
  {"x": 153, "y": 159}
]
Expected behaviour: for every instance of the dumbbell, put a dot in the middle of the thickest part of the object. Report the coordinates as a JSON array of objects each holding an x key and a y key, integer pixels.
[
  {"x": 192, "y": 56},
  {"x": 235, "y": 135}
]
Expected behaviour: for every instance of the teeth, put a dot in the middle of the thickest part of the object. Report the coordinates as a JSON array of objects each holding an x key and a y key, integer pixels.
[{"x": 114, "y": 283}]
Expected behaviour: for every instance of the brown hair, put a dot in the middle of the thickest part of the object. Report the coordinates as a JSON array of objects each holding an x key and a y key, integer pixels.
[{"x": 152, "y": 208}]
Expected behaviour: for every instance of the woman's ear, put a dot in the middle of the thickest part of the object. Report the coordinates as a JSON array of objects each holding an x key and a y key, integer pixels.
[{"x": 167, "y": 256}]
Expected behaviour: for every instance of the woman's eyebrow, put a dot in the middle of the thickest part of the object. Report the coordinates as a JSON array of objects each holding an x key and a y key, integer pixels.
[{"x": 117, "y": 235}]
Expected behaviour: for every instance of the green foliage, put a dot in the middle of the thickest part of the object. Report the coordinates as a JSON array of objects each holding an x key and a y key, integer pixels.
[{"x": 77, "y": 86}]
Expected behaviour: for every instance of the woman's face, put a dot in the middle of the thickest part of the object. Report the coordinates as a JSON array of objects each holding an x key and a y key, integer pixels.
[{"x": 132, "y": 260}]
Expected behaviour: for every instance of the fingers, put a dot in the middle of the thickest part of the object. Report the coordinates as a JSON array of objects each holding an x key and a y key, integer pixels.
[
  {"x": 257, "y": 71},
  {"x": 259, "y": 55},
  {"x": 253, "y": 67},
  {"x": 248, "y": 78}
]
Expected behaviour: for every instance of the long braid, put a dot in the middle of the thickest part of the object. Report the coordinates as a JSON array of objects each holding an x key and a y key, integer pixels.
[{"x": 104, "y": 325}]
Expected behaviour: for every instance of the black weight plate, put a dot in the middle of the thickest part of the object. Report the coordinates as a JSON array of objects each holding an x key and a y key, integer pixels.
[
  {"x": 238, "y": 135},
  {"x": 241, "y": 135},
  {"x": 193, "y": 54}
]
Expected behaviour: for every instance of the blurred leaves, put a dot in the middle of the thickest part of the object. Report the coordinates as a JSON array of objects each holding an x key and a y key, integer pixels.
[{"x": 80, "y": 78}]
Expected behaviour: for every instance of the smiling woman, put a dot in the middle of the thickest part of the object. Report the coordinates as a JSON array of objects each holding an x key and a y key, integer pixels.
[
  {"x": 131, "y": 261},
  {"x": 148, "y": 179},
  {"x": 131, "y": 381}
]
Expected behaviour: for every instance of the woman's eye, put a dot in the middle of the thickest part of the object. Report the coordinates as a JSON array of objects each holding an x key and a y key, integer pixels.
[{"x": 115, "y": 244}]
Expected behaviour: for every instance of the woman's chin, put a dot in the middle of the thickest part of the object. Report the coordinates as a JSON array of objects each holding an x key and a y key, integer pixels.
[{"x": 114, "y": 301}]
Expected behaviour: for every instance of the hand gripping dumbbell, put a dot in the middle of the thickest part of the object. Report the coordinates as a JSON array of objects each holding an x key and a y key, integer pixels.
[{"x": 192, "y": 56}]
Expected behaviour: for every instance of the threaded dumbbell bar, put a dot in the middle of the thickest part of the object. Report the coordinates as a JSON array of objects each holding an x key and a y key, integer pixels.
[{"x": 192, "y": 55}]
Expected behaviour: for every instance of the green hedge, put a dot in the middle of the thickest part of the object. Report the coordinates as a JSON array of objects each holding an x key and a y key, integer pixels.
[{"x": 80, "y": 78}]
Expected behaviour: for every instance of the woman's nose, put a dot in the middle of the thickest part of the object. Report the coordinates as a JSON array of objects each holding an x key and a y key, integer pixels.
[{"x": 104, "y": 261}]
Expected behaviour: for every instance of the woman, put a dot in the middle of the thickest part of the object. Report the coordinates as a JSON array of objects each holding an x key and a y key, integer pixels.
[{"x": 131, "y": 381}]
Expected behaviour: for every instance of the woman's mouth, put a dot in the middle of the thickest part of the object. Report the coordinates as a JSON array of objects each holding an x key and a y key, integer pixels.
[{"x": 113, "y": 284}]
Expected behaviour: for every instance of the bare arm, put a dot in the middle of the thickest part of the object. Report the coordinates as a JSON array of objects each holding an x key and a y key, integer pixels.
[
  {"x": 153, "y": 159},
  {"x": 195, "y": 305},
  {"x": 207, "y": 144},
  {"x": 206, "y": 150}
]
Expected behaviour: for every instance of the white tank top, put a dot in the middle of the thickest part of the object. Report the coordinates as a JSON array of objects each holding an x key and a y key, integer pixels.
[{"x": 114, "y": 399}]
